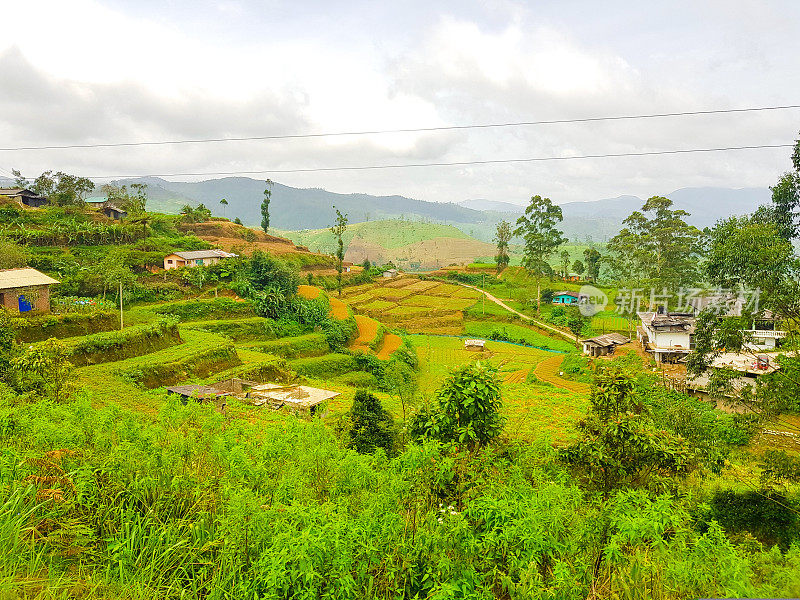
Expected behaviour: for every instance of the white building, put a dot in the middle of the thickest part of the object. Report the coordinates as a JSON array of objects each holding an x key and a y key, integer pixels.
[
  {"x": 668, "y": 336},
  {"x": 195, "y": 258}
]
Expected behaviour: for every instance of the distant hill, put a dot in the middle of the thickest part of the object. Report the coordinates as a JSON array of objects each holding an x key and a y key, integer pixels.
[
  {"x": 296, "y": 208},
  {"x": 410, "y": 244}
]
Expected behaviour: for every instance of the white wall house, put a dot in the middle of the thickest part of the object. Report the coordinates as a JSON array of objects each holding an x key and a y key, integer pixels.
[
  {"x": 668, "y": 336},
  {"x": 195, "y": 258}
]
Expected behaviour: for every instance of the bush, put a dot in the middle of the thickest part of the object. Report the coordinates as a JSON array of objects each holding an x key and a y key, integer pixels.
[
  {"x": 157, "y": 373},
  {"x": 769, "y": 516},
  {"x": 371, "y": 427},
  {"x": 240, "y": 330}
]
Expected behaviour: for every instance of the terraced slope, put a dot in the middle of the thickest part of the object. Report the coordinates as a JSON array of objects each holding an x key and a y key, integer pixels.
[{"x": 548, "y": 370}]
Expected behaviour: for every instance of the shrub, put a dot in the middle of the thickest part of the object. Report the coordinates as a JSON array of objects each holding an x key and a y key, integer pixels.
[
  {"x": 769, "y": 516},
  {"x": 119, "y": 345},
  {"x": 157, "y": 373},
  {"x": 371, "y": 427}
]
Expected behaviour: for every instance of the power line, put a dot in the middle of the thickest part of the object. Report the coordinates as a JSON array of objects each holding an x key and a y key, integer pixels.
[
  {"x": 410, "y": 130},
  {"x": 452, "y": 164}
]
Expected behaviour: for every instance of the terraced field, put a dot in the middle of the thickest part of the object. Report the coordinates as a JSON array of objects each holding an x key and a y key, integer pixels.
[
  {"x": 413, "y": 304},
  {"x": 532, "y": 405}
]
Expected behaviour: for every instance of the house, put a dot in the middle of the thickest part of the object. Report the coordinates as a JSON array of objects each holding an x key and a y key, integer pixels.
[
  {"x": 566, "y": 298},
  {"x": 25, "y": 290},
  {"x": 195, "y": 258},
  {"x": 112, "y": 211},
  {"x": 572, "y": 277},
  {"x": 390, "y": 273},
  {"x": 669, "y": 336},
  {"x": 603, "y": 345},
  {"x": 24, "y": 196},
  {"x": 347, "y": 267},
  {"x": 475, "y": 345}
]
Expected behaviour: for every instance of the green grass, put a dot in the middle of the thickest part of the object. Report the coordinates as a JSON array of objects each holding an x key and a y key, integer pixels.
[{"x": 484, "y": 329}]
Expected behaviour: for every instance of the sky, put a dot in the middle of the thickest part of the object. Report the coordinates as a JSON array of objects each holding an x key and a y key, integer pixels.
[{"x": 106, "y": 71}]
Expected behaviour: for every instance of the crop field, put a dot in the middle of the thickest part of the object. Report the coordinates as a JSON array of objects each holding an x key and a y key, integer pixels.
[
  {"x": 413, "y": 304},
  {"x": 533, "y": 407}
]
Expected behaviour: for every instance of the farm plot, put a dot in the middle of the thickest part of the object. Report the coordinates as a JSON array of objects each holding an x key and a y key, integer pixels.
[
  {"x": 532, "y": 406},
  {"x": 413, "y": 304}
]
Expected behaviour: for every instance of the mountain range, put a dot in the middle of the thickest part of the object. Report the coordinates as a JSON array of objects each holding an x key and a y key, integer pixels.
[{"x": 298, "y": 209}]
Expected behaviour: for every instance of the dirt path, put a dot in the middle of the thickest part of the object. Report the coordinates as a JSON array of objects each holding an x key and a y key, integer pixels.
[
  {"x": 517, "y": 376},
  {"x": 548, "y": 370},
  {"x": 499, "y": 302}
]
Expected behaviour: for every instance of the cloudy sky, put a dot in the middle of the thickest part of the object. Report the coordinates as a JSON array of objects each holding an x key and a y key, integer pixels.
[{"x": 99, "y": 71}]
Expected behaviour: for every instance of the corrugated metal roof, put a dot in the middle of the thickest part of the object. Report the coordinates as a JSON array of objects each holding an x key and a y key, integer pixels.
[
  {"x": 26, "y": 277},
  {"x": 195, "y": 254},
  {"x": 608, "y": 339}
]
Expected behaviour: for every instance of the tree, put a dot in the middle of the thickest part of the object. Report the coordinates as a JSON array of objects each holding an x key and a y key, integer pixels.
[
  {"x": 371, "y": 427},
  {"x": 502, "y": 237},
  {"x": 785, "y": 201},
  {"x": 133, "y": 200},
  {"x": 656, "y": 248},
  {"x": 576, "y": 323},
  {"x": 468, "y": 411},
  {"x": 593, "y": 259},
  {"x": 366, "y": 265},
  {"x": 265, "y": 271},
  {"x": 199, "y": 214},
  {"x": 537, "y": 228},
  {"x": 19, "y": 180},
  {"x": 265, "y": 206},
  {"x": 63, "y": 189},
  {"x": 578, "y": 268},
  {"x": 619, "y": 445},
  {"x": 224, "y": 204},
  {"x": 401, "y": 382},
  {"x": 49, "y": 363},
  {"x": 564, "y": 263},
  {"x": 338, "y": 229}
]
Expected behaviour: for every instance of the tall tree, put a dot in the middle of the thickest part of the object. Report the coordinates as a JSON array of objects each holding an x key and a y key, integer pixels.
[
  {"x": 338, "y": 229},
  {"x": 537, "y": 228},
  {"x": 656, "y": 248},
  {"x": 265, "y": 206},
  {"x": 133, "y": 200},
  {"x": 578, "y": 268},
  {"x": 19, "y": 180},
  {"x": 565, "y": 263},
  {"x": 593, "y": 259},
  {"x": 224, "y": 204},
  {"x": 371, "y": 427},
  {"x": 502, "y": 237}
]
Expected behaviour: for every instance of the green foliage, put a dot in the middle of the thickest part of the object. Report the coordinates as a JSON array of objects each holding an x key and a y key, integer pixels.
[
  {"x": 312, "y": 344},
  {"x": 537, "y": 228},
  {"x": 46, "y": 366},
  {"x": 656, "y": 251},
  {"x": 326, "y": 366},
  {"x": 468, "y": 411},
  {"x": 502, "y": 238},
  {"x": 265, "y": 273},
  {"x": 768, "y": 516},
  {"x": 12, "y": 255},
  {"x": 197, "y": 214},
  {"x": 370, "y": 426},
  {"x": 620, "y": 445},
  {"x": 265, "y": 206},
  {"x": 194, "y": 310},
  {"x": 151, "y": 373},
  {"x": 516, "y": 334},
  {"x": 35, "y": 329},
  {"x": 119, "y": 345},
  {"x": 338, "y": 229}
]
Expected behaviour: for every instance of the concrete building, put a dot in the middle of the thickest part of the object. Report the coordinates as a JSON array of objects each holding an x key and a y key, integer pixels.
[
  {"x": 25, "y": 290},
  {"x": 668, "y": 336},
  {"x": 195, "y": 258}
]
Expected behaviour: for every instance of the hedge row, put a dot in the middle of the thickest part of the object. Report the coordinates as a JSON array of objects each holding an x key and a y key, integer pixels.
[
  {"x": 112, "y": 346},
  {"x": 202, "y": 364},
  {"x": 240, "y": 330},
  {"x": 217, "y": 308},
  {"x": 44, "y": 327},
  {"x": 304, "y": 346},
  {"x": 326, "y": 366}
]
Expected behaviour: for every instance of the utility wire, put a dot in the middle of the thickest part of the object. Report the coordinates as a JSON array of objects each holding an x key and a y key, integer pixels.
[
  {"x": 452, "y": 164},
  {"x": 410, "y": 130}
]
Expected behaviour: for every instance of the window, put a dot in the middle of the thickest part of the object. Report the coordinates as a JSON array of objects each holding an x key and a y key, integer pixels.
[{"x": 169, "y": 261}]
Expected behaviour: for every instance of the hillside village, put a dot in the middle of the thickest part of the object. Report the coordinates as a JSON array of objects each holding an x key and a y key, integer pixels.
[{"x": 399, "y": 301}]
